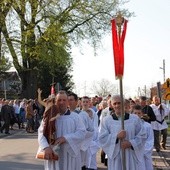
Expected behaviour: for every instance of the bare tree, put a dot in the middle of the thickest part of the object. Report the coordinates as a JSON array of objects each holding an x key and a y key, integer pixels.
[{"x": 103, "y": 88}]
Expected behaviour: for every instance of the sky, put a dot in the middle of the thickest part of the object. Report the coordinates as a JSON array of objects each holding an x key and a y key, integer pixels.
[{"x": 147, "y": 44}]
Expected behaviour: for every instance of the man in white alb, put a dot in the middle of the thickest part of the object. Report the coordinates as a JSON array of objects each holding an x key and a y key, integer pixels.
[
  {"x": 112, "y": 139},
  {"x": 70, "y": 132},
  {"x": 159, "y": 126}
]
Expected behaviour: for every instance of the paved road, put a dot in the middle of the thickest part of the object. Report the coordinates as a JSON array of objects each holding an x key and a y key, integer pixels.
[
  {"x": 17, "y": 152},
  {"x": 161, "y": 160}
]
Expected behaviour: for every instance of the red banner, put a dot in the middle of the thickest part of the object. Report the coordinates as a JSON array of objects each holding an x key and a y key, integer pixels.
[
  {"x": 118, "y": 48},
  {"x": 52, "y": 90}
]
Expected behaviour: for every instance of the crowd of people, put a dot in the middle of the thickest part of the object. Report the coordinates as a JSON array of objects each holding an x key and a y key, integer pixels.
[
  {"x": 25, "y": 113},
  {"x": 81, "y": 127}
]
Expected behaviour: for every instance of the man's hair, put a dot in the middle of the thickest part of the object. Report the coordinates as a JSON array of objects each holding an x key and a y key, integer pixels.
[
  {"x": 143, "y": 98},
  {"x": 127, "y": 102},
  {"x": 85, "y": 97},
  {"x": 138, "y": 107},
  {"x": 74, "y": 95},
  {"x": 62, "y": 92},
  {"x": 117, "y": 96}
]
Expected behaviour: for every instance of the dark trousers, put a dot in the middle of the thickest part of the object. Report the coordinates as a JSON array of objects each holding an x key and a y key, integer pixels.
[
  {"x": 6, "y": 126},
  {"x": 156, "y": 139},
  {"x": 30, "y": 124},
  {"x": 83, "y": 168},
  {"x": 0, "y": 120},
  {"x": 18, "y": 120},
  {"x": 102, "y": 156},
  {"x": 164, "y": 134},
  {"x": 157, "y": 135}
]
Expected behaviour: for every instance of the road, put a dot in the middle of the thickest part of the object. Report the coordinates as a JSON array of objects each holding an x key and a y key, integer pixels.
[{"x": 18, "y": 152}]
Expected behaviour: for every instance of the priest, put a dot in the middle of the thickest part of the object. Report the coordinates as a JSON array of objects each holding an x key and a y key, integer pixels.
[{"x": 131, "y": 139}]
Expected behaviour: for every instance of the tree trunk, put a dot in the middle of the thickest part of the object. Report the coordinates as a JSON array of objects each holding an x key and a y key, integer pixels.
[{"x": 29, "y": 84}]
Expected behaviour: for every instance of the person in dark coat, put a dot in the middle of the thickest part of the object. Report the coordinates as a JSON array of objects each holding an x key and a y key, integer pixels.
[
  {"x": 6, "y": 112},
  {"x": 147, "y": 110}
]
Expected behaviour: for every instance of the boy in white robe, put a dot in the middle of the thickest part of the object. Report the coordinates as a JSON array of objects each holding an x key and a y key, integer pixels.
[
  {"x": 88, "y": 122},
  {"x": 150, "y": 138},
  {"x": 91, "y": 162},
  {"x": 70, "y": 132},
  {"x": 112, "y": 139}
]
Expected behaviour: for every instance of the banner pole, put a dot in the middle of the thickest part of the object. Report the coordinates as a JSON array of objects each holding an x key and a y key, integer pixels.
[
  {"x": 122, "y": 120},
  {"x": 119, "y": 23}
]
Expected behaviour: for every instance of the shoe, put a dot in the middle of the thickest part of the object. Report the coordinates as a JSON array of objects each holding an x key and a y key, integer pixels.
[
  {"x": 30, "y": 131},
  {"x": 102, "y": 160},
  {"x": 7, "y": 133},
  {"x": 1, "y": 131},
  {"x": 105, "y": 162},
  {"x": 83, "y": 168},
  {"x": 157, "y": 150}
]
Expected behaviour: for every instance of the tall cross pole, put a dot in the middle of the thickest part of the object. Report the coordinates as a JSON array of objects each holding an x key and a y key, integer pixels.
[{"x": 119, "y": 25}]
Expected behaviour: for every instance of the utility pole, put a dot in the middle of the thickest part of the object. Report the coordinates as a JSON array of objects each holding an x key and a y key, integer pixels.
[
  {"x": 139, "y": 92},
  {"x": 163, "y": 68},
  {"x": 145, "y": 90}
]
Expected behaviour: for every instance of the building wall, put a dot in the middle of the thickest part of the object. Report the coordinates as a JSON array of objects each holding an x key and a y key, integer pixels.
[{"x": 10, "y": 86}]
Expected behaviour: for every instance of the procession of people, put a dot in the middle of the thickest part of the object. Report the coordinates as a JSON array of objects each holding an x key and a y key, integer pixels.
[
  {"x": 83, "y": 126},
  {"x": 74, "y": 129}
]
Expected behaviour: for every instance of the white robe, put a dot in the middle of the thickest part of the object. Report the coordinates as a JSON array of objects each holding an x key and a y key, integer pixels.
[
  {"x": 149, "y": 144},
  {"x": 105, "y": 112},
  {"x": 88, "y": 122},
  {"x": 94, "y": 145},
  {"x": 135, "y": 133},
  {"x": 73, "y": 129},
  {"x": 160, "y": 116}
]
